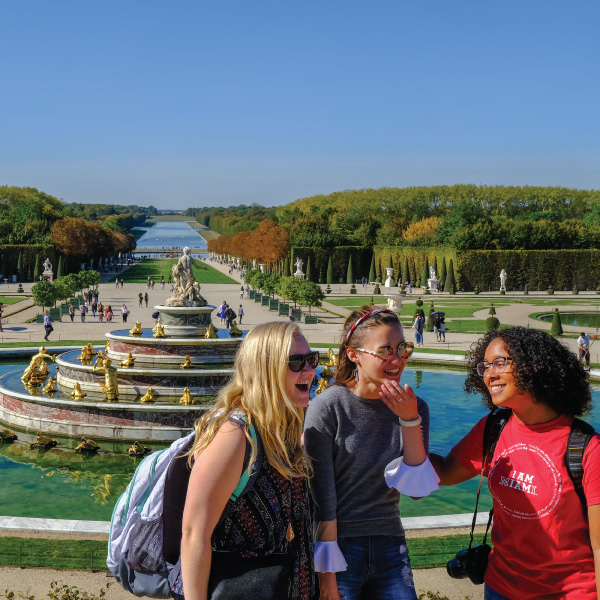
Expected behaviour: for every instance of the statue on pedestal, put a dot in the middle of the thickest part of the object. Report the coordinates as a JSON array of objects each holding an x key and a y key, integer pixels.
[
  {"x": 186, "y": 290},
  {"x": 503, "y": 280}
]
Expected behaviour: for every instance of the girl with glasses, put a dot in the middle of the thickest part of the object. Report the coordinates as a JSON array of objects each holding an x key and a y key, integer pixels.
[
  {"x": 365, "y": 434},
  {"x": 546, "y": 541},
  {"x": 273, "y": 372}
]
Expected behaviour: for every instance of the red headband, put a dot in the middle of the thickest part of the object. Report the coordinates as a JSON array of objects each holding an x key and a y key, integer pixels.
[{"x": 364, "y": 318}]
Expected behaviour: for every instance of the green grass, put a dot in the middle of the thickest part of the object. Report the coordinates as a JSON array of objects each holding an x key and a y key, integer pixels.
[
  {"x": 90, "y": 555},
  {"x": 12, "y": 299},
  {"x": 208, "y": 234},
  {"x": 155, "y": 267}
]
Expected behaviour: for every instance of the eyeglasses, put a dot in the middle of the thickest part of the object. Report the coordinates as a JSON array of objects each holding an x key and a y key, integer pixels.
[
  {"x": 500, "y": 365},
  {"x": 386, "y": 352},
  {"x": 296, "y": 362}
]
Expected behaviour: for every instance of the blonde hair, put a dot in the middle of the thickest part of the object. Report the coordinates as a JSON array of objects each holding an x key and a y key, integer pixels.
[{"x": 257, "y": 389}]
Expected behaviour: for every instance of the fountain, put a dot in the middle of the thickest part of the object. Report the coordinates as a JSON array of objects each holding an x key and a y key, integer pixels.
[{"x": 148, "y": 385}]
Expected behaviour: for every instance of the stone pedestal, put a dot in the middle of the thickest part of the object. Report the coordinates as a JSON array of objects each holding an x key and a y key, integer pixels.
[
  {"x": 434, "y": 284},
  {"x": 185, "y": 321},
  {"x": 49, "y": 275}
]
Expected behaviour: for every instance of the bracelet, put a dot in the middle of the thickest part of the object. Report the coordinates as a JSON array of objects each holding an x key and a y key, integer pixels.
[{"x": 414, "y": 423}]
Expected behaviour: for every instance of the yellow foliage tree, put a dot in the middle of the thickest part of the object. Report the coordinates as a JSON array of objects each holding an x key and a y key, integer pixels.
[{"x": 423, "y": 229}]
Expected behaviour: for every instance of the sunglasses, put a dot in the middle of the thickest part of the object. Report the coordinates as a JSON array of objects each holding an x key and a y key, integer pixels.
[
  {"x": 386, "y": 352},
  {"x": 296, "y": 362}
]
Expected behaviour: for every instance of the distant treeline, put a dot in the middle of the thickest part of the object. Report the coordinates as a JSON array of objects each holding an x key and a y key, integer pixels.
[{"x": 460, "y": 216}]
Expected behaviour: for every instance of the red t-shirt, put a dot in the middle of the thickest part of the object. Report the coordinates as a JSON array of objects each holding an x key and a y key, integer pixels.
[{"x": 541, "y": 536}]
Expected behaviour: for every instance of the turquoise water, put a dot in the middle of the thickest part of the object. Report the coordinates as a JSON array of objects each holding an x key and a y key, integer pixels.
[
  {"x": 171, "y": 234},
  {"x": 58, "y": 483},
  {"x": 577, "y": 319}
]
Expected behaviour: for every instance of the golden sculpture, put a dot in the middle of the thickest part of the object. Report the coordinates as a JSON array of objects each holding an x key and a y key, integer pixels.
[
  {"x": 43, "y": 441},
  {"x": 78, "y": 393},
  {"x": 323, "y": 385},
  {"x": 106, "y": 347},
  {"x": 333, "y": 358},
  {"x": 137, "y": 449},
  {"x": 6, "y": 435},
  {"x": 137, "y": 330},
  {"x": 85, "y": 357},
  {"x": 187, "y": 399},
  {"x": 87, "y": 445},
  {"x": 148, "y": 397},
  {"x": 159, "y": 330},
  {"x": 50, "y": 387},
  {"x": 100, "y": 359},
  {"x": 91, "y": 351},
  {"x": 235, "y": 331},
  {"x": 211, "y": 334},
  {"x": 37, "y": 371},
  {"x": 187, "y": 363},
  {"x": 128, "y": 362},
  {"x": 110, "y": 386}
]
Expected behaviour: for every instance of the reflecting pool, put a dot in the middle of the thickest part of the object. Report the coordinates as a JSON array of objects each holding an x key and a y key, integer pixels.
[
  {"x": 579, "y": 319},
  {"x": 59, "y": 483},
  {"x": 171, "y": 234}
]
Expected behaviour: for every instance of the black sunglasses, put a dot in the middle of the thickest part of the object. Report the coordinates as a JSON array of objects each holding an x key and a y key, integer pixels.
[{"x": 296, "y": 362}]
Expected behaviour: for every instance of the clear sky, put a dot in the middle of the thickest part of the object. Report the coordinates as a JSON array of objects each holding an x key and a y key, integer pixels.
[{"x": 195, "y": 103}]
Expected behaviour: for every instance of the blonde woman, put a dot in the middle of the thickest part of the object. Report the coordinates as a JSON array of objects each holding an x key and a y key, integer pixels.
[{"x": 274, "y": 369}]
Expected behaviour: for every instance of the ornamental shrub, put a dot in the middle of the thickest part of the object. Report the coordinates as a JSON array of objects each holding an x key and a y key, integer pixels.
[
  {"x": 492, "y": 310},
  {"x": 550, "y": 290},
  {"x": 491, "y": 323},
  {"x": 556, "y": 328},
  {"x": 419, "y": 302},
  {"x": 575, "y": 291},
  {"x": 526, "y": 290}
]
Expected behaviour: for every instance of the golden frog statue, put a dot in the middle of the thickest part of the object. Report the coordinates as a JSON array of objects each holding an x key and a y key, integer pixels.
[
  {"x": 148, "y": 397},
  {"x": 78, "y": 393},
  {"x": 187, "y": 399},
  {"x": 235, "y": 331},
  {"x": 137, "y": 330},
  {"x": 50, "y": 387},
  {"x": 187, "y": 363},
  {"x": 99, "y": 359},
  {"x": 323, "y": 385},
  {"x": 159, "y": 330},
  {"x": 84, "y": 356},
  {"x": 87, "y": 445},
  {"x": 138, "y": 449},
  {"x": 128, "y": 362},
  {"x": 211, "y": 334}
]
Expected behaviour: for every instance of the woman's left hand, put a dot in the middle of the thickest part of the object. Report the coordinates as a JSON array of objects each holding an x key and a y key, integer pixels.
[{"x": 402, "y": 401}]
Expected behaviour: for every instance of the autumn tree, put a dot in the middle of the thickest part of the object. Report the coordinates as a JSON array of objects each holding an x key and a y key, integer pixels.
[{"x": 269, "y": 242}]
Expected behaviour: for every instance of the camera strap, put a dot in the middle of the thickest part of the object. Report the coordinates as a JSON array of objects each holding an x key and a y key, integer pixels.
[{"x": 494, "y": 425}]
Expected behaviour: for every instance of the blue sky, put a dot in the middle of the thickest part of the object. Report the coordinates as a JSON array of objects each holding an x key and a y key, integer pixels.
[{"x": 184, "y": 103}]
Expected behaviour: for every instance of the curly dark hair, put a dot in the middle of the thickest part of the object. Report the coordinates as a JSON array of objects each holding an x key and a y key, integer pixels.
[
  {"x": 543, "y": 366},
  {"x": 345, "y": 368}
]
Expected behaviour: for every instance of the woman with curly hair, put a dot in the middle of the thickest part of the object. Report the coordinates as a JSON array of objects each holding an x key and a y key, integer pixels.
[
  {"x": 546, "y": 543},
  {"x": 273, "y": 372},
  {"x": 367, "y": 438}
]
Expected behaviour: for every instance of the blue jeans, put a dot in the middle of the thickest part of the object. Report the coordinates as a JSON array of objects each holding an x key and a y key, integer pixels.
[
  {"x": 378, "y": 569},
  {"x": 418, "y": 337},
  {"x": 490, "y": 594}
]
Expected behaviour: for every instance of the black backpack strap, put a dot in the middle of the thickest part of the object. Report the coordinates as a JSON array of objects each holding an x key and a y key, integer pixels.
[
  {"x": 494, "y": 424},
  {"x": 579, "y": 437}
]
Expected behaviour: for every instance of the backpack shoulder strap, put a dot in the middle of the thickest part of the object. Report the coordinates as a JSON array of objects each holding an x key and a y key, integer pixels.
[
  {"x": 579, "y": 437},
  {"x": 494, "y": 424}
]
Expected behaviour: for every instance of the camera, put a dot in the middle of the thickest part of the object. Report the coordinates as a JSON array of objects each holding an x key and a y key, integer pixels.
[{"x": 471, "y": 563}]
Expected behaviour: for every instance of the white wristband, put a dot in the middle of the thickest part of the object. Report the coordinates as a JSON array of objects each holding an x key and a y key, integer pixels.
[
  {"x": 329, "y": 558},
  {"x": 414, "y": 423}
]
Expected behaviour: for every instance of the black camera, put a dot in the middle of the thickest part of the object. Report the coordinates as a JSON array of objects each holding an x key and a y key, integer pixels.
[{"x": 471, "y": 563}]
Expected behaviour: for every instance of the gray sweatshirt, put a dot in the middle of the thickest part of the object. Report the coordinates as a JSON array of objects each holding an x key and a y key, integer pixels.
[{"x": 350, "y": 441}]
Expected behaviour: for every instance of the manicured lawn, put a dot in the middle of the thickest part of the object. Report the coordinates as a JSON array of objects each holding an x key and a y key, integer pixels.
[
  {"x": 155, "y": 267},
  {"x": 12, "y": 299},
  {"x": 87, "y": 555},
  {"x": 208, "y": 234}
]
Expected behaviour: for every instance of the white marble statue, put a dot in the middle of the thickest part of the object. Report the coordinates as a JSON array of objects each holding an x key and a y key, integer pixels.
[
  {"x": 432, "y": 273},
  {"x": 47, "y": 266},
  {"x": 186, "y": 290},
  {"x": 298, "y": 264},
  {"x": 502, "y": 280}
]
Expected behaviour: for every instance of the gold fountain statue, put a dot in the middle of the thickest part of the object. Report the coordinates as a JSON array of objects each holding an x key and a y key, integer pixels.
[
  {"x": 110, "y": 386},
  {"x": 78, "y": 393},
  {"x": 128, "y": 362},
  {"x": 235, "y": 331},
  {"x": 187, "y": 363},
  {"x": 159, "y": 330},
  {"x": 37, "y": 371},
  {"x": 50, "y": 387},
  {"x": 187, "y": 399},
  {"x": 136, "y": 331},
  {"x": 211, "y": 334},
  {"x": 148, "y": 397}
]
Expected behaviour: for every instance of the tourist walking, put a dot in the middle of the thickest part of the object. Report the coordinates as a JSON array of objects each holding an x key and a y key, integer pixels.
[
  {"x": 124, "y": 313},
  {"x": 83, "y": 311},
  {"x": 240, "y": 314},
  {"x": 109, "y": 314},
  {"x": 94, "y": 308},
  {"x": 271, "y": 523},
  {"x": 47, "y": 325},
  {"x": 140, "y": 299},
  {"x": 443, "y": 329},
  {"x": 100, "y": 312},
  {"x": 418, "y": 326},
  {"x": 545, "y": 537},
  {"x": 365, "y": 434},
  {"x": 229, "y": 316},
  {"x": 71, "y": 312},
  {"x": 242, "y": 293},
  {"x": 221, "y": 312},
  {"x": 146, "y": 299}
]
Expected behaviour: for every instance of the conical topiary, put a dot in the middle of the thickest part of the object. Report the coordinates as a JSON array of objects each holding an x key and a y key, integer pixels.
[
  {"x": 60, "y": 269},
  {"x": 425, "y": 273},
  {"x": 443, "y": 273},
  {"x": 450, "y": 284},
  {"x": 308, "y": 270},
  {"x": 372, "y": 272},
  {"x": 526, "y": 290},
  {"x": 286, "y": 268},
  {"x": 556, "y": 328},
  {"x": 429, "y": 322},
  {"x": 329, "y": 277},
  {"x": 20, "y": 276},
  {"x": 350, "y": 273},
  {"x": 405, "y": 271},
  {"x": 36, "y": 270},
  {"x": 492, "y": 310}
]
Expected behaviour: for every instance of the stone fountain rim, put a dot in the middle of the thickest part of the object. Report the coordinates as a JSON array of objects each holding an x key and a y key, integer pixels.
[{"x": 176, "y": 341}]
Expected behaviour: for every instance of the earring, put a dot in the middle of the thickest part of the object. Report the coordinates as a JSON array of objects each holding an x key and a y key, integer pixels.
[{"x": 355, "y": 373}]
